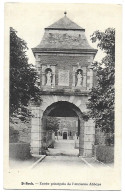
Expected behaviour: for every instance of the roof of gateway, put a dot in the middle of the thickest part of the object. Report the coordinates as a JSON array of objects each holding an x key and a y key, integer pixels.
[
  {"x": 63, "y": 35},
  {"x": 63, "y": 41},
  {"x": 66, "y": 24}
]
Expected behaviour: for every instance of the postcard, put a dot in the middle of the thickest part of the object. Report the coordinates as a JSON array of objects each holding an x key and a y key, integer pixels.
[{"x": 62, "y": 96}]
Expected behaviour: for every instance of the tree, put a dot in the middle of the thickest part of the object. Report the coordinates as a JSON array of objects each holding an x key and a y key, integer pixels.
[
  {"x": 52, "y": 123},
  {"x": 23, "y": 76},
  {"x": 101, "y": 97}
]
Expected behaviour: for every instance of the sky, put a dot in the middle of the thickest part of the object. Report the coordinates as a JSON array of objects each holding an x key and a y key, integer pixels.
[{"x": 30, "y": 19}]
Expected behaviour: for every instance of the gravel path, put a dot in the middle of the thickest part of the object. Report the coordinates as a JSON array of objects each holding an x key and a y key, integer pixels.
[{"x": 62, "y": 161}]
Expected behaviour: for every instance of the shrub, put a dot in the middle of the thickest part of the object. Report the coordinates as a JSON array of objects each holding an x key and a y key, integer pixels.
[
  {"x": 13, "y": 135},
  {"x": 104, "y": 153},
  {"x": 19, "y": 151}
]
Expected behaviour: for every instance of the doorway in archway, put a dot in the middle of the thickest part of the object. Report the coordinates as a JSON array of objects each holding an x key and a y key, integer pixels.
[{"x": 64, "y": 135}]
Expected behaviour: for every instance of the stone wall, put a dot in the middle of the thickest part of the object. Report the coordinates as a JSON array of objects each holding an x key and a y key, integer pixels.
[
  {"x": 38, "y": 133},
  {"x": 67, "y": 62},
  {"x": 62, "y": 54},
  {"x": 89, "y": 137},
  {"x": 71, "y": 123},
  {"x": 78, "y": 101}
]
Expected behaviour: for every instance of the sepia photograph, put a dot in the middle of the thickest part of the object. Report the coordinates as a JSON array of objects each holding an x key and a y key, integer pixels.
[{"x": 63, "y": 127}]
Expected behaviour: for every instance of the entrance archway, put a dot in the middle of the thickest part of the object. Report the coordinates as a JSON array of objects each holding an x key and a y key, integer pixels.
[{"x": 66, "y": 109}]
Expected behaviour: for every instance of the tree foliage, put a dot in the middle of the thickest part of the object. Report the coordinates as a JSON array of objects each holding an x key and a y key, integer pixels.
[
  {"x": 52, "y": 123},
  {"x": 23, "y": 76},
  {"x": 101, "y": 97}
]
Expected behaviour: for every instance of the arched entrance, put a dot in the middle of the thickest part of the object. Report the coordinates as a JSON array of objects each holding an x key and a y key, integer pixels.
[
  {"x": 61, "y": 106},
  {"x": 65, "y": 109}
]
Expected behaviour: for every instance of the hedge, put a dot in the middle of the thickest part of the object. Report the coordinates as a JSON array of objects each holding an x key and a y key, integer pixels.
[
  {"x": 104, "y": 153},
  {"x": 19, "y": 150}
]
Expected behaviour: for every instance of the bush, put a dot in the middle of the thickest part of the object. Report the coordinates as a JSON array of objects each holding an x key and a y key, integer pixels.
[
  {"x": 104, "y": 153},
  {"x": 13, "y": 135},
  {"x": 19, "y": 151}
]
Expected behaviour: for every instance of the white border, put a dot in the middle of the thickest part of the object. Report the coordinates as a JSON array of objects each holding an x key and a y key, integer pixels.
[{"x": 2, "y": 99}]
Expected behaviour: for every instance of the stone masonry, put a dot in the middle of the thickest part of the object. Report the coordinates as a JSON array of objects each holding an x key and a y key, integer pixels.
[{"x": 64, "y": 53}]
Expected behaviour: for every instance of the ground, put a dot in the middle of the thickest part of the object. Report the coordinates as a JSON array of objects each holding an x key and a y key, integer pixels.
[
  {"x": 21, "y": 164},
  {"x": 63, "y": 148},
  {"x": 63, "y": 154}
]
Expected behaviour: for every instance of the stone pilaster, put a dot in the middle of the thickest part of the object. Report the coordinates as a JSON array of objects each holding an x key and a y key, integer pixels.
[
  {"x": 89, "y": 137},
  {"x": 84, "y": 77},
  {"x": 43, "y": 78},
  {"x": 89, "y": 79},
  {"x": 81, "y": 138},
  {"x": 35, "y": 131},
  {"x": 73, "y": 83},
  {"x": 53, "y": 80},
  {"x": 43, "y": 135}
]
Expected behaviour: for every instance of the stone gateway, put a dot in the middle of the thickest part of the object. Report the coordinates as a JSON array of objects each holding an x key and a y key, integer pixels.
[{"x": 63, "y": 61}]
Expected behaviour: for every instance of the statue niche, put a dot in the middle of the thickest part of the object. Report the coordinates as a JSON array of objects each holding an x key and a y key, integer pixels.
[
  {"x": 79, "y": 78},
  {"x": 48, "y": 74}
]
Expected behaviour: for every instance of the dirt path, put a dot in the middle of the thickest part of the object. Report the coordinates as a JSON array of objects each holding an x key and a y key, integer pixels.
[{"x": 63, "y": 148}]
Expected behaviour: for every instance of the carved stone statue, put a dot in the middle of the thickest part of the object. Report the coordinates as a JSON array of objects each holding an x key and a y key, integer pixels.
[
  {"x": 79, "y": 79},
  {"x": 49, "y": 78}
]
